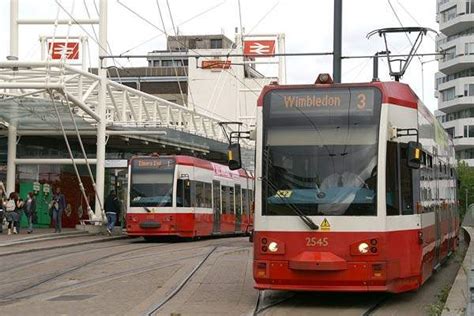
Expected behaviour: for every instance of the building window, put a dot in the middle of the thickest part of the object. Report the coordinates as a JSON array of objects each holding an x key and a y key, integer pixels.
[
  {"x": 469, "y": 6},
  {"x": 450, "y": 132},
  {"x": 216, "y": 43},
  {"x": 449, "y": 14},
  {"x": 450, "y": 53},
  {"x": 469, "y": 131},
  {"x": 448, "y": 94},
  {"x": 171, "y": 63},
  {"x": 469, "y": 90},
  {"x": 469, "y": 48}
]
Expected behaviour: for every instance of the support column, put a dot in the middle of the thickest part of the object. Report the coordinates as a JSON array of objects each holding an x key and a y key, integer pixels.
[
  {"x": 14, "y": 28},
  {"x": 11, "y": 167},
  {"x": 337, "y": 41},
  {"x": 101, "y": 110},
  {"x": 282, "y": 61}
]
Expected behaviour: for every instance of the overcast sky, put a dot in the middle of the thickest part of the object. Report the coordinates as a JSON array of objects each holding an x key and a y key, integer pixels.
[{"x": 306, "y": 24}]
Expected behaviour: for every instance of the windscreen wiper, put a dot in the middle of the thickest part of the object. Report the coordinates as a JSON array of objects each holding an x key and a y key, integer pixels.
[{"x": 308, "y": 221}]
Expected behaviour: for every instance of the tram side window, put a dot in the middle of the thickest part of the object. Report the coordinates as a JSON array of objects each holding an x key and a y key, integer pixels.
[
  {"x": 245, "y": 201},
  {"x": 238, "y": 200},
  {"x": 392, "y": 184},
  {"x": 183, "y": 193},
  {"x": 216, "y": 195},
  {"x": 406, "y": 182},
  {"x": 231, "y": 202},
  {"x": 198, "y": 194},
  {"x": 207, "y": 195},
  {"x": 251, "y": 200},
  {"x": 225, "y": 199}
]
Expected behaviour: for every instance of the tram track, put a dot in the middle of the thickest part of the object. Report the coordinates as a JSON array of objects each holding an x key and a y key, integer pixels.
[
  {"x": 158, "y": 306},
  {"x": 260, "y": 306},
  {"x": 12, "y": 297},
  {"x": 74, "y": 268}
]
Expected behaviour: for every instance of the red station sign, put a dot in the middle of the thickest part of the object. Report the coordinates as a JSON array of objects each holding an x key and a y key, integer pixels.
[
  {"x": 258, "y": 48},
  {"x": 70, "y": 49}
]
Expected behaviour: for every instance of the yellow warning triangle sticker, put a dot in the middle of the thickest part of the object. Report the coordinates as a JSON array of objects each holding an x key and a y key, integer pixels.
[{"x": 325, "y": 225}]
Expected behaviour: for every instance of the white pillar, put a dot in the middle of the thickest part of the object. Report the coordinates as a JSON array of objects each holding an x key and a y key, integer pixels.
[
  {"x": 101, "y": 109},
  {"x": 14, "y": 28},
  {"x": 11, "y": 169},
  {"x": 282, "y": 61}
]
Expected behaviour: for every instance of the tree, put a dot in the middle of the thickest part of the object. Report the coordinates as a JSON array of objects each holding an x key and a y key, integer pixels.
[{"x": 466, "y": 188}]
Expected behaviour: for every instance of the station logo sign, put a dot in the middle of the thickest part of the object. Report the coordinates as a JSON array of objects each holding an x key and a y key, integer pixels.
[
  {"x": 69, "y": 49},
  {"x": 259, "y": 48}
]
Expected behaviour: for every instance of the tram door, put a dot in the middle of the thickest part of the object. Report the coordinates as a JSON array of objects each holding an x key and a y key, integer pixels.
[
  {"x": 216, "y": 205},
  {"x": 238, "y": 208}
]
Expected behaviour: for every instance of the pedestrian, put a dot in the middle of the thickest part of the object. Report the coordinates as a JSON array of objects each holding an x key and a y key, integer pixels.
[
  {"x": 11, "y": 206},
  {"x": 3, "y": 201},
  {"x": 58, "y": 206},
  {"x": 30, "y": 210},
  {"x": 112, "y": 209},
  {"x": 19, "y": 213}
]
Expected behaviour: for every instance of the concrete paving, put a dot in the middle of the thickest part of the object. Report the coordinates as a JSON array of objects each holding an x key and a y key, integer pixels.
[
  {"x": 127, "y": 277},
  {"x": 45, "y": 238},
  {"x": 458, "y": 296}
]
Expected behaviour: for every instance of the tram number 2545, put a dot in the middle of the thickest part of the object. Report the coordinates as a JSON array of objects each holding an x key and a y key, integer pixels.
[{"x": 314, "y": 241}]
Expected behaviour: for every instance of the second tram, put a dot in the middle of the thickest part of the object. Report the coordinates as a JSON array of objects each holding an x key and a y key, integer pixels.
[{"x": 187, "y": 197}]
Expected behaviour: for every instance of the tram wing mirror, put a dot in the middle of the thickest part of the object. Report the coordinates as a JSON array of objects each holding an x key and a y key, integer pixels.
[
  {"x": 414, "y": 152},
  {"x": 233, "y": 156}
]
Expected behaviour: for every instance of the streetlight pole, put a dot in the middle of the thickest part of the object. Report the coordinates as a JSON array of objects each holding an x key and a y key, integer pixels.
[{"x": 466, "y": 198}]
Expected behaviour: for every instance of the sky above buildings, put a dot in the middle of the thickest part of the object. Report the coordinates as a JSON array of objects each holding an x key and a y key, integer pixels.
[{"x": 306, "y": 24}]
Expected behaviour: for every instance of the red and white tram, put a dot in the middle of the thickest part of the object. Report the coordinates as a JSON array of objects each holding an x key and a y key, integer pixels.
[
  {"x": 187, "y": 197},
  {"x": 346, "y": 199}
]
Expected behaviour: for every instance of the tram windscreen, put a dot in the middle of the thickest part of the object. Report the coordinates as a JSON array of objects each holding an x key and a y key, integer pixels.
[
  {"x": 320, "y": 151},
  {"x": 152, "y": 182}
]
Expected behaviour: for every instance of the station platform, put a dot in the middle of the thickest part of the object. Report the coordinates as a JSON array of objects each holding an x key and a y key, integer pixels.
[{"x": 46, "y": 238}]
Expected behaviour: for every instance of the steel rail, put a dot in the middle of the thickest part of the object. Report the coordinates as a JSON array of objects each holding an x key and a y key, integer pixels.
[{"x": 176, "y": 290}]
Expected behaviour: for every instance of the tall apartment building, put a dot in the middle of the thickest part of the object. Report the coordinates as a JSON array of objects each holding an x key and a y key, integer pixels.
[{"x": 455, "y": 79}]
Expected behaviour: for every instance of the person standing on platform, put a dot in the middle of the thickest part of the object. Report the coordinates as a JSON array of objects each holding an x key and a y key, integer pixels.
[
  {"x": 112, "y": 208},
  {"x": 59, "y": 205},
  {"x": 3, "y": 201},
  {"x": 19, "y": 212},
  {"x": 11, "y": 207},
  {"x": 30, "y": 210}
]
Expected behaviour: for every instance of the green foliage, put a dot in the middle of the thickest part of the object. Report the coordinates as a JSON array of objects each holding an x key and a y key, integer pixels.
[
  {"x": 436, "y": 308},
  {"x": 466, "y": 177}
]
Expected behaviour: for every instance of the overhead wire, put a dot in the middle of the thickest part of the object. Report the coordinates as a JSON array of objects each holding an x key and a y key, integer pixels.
[
  {"x": 66, "y": 140},
  {"x": 172, "y": 61},
  {"x": 182, "y": 60}
]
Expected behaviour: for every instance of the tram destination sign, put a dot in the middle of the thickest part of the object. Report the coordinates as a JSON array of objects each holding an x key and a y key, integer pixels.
[
  {"x": 321, "y": 102},
  {"x": 152, "y": 163}
]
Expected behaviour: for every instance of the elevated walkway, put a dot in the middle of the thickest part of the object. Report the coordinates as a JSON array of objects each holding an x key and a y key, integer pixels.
[{"x": 25, "y": 101}]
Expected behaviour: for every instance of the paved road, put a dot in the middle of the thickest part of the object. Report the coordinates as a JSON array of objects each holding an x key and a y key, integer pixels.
[{"x": 129, "y": 277}]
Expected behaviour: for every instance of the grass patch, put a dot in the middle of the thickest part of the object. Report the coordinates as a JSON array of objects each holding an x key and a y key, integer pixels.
[{"x": 436, "y": 309}]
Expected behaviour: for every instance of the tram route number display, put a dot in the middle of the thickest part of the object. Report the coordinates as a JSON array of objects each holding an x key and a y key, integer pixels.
[{"x": 322, "y": 102}]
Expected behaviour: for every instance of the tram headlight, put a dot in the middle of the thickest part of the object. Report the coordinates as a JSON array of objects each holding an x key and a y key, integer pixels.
[
  {"x": 273, "y": 247},
  {"x": 363, "y": 248}
]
